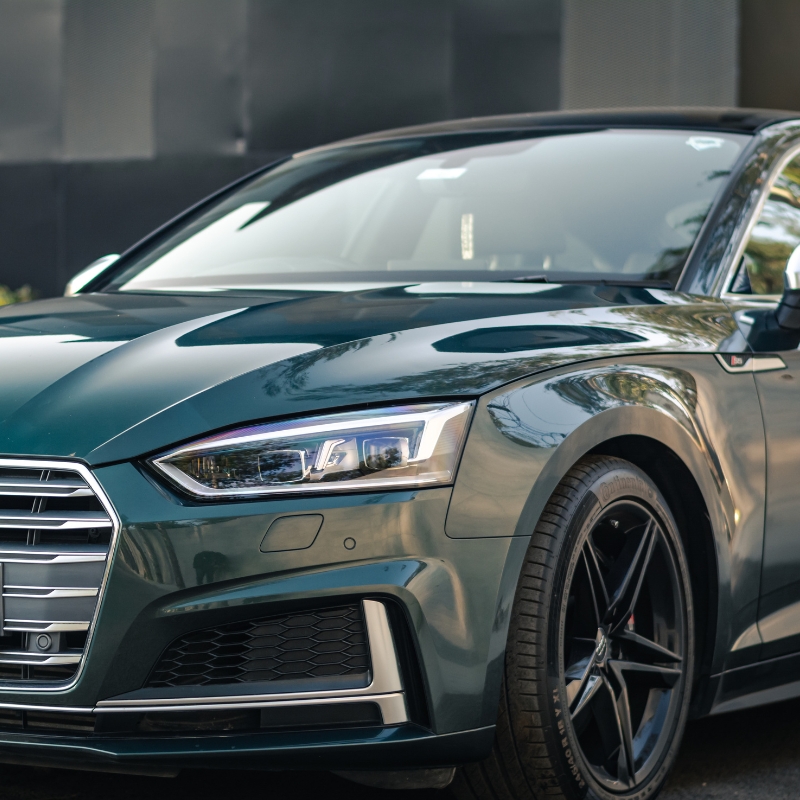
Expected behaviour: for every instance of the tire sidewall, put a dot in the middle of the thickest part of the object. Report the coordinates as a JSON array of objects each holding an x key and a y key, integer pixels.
[{"x": 622, "y": 481}]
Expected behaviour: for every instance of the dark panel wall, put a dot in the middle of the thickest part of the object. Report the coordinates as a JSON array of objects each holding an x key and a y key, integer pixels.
[
  {"x": 321, "y": 71},
  {"x": 506, "y": 57},
  {"x": 56, "y": 218},
  {"x": 325, "y": 70},
  {"x": 769, "y": 73},
  {"x": 29, "y": 225}
]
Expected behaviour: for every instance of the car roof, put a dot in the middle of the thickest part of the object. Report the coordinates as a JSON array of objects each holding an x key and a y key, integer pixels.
[{"x": 730, "y": 120}]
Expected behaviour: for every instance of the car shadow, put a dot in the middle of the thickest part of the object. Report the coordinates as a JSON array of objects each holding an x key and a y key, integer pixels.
[{"x": 747, "y": 754}]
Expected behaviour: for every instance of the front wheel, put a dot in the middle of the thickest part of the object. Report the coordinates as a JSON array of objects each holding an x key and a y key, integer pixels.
[{"x": 598, "y": 667}]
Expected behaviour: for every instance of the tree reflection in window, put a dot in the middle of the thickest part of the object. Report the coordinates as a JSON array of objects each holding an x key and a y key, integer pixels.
[{"x": 774, "y": 237}]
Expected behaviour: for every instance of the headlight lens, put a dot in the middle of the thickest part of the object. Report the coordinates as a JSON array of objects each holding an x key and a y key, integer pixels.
[{"x": 387, "y": 448}]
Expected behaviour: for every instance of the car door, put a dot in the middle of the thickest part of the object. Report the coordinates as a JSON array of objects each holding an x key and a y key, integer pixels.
[{"x": 776, "y": 363}]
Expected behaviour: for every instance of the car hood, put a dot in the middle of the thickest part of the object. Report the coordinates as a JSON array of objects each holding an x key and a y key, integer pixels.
[{"x": 109, "y": 377}]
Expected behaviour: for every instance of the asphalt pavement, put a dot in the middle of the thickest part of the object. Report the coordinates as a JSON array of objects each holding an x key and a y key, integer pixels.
[{"x": 750, "y": 755}]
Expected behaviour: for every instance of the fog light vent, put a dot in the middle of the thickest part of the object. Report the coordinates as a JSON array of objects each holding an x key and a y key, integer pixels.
[{"x": 313, "y": 644}]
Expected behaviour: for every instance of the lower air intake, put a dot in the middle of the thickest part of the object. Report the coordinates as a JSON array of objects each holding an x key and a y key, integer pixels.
[{"x": 313, "y": 644}]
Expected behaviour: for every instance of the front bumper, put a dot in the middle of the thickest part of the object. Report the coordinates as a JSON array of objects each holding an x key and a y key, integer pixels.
[
  {"x": 179, "y": 567},
  {"x": 384, "y": 748}
]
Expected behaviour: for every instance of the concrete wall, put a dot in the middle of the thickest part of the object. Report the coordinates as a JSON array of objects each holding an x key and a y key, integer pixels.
[
  {"x": 620, "y": 53},
  {"x": 770, "y": 56}
]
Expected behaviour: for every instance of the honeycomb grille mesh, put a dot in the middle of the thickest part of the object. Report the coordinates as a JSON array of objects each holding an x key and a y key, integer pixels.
[{"x": 312, "y": 644}]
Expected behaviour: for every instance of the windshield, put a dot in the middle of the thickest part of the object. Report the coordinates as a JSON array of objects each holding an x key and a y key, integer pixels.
[{"x": 610, "y": 205}]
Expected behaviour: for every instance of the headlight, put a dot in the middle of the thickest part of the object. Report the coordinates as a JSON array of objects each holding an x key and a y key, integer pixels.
[{"x": 376, "y": 449}]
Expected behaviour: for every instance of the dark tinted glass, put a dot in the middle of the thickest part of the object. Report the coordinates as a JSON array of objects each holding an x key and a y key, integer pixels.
[{"x": 600, "y": 204}]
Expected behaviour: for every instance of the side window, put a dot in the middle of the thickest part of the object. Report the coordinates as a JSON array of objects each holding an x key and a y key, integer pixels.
[{"x": 774, "y": 237}]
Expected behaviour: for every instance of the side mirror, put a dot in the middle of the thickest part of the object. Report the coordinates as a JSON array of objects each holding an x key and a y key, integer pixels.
[
  {"x": 788, "y": 313},
  {"x": 89, "y": 273}
]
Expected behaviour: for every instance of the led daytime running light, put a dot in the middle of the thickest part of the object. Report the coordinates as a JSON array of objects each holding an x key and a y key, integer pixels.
[{"x": 390, "y": 448}]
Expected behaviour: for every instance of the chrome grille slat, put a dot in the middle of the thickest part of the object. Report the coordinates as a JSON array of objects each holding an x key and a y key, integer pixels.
[
  {"x": 59, "y": 520},
  {"x": 60, "y": 558},
  {"x": 34, "y": 487},
  {"x": 36, "y": 626},
  {"x": 50, "y": 591},
  {"x": 56, "y": 531}
]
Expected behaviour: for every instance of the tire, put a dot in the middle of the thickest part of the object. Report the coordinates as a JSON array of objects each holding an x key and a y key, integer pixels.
[{"x": 564, "y": 689}]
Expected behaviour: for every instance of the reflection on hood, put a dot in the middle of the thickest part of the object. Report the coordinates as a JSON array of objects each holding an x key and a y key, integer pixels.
[{"x": 111, "y": 377}]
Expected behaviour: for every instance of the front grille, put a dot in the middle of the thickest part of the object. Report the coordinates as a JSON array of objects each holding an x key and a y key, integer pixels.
[
  {"x": 312, "y": 644},
  {"x": 55, "y": 536}
]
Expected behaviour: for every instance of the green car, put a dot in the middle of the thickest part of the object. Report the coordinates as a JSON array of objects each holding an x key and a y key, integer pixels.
[{"x": 456, "y": 455}]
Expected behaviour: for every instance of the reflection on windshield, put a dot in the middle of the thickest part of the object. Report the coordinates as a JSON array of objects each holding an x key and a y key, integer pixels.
[{"x": 609, "y": 204}]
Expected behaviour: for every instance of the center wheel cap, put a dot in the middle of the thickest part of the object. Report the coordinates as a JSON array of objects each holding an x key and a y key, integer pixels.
[{"x": 601, "y": 647}]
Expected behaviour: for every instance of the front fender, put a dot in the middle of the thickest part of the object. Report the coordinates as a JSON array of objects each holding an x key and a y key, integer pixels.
[{"x": 526, "y": 436}]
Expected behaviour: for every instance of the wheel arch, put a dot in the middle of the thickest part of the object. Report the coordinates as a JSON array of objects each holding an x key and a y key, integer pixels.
[
  {"x": 678, "y": 461},
  {"x": 662, "y": 431},
  {"x": 677, "y": 484}
]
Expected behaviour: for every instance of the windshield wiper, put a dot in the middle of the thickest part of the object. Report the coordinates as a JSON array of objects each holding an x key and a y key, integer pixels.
[{"x": 629, "y": 282}]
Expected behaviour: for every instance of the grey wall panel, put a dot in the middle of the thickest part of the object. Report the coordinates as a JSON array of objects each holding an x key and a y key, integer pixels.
[
  {"x": 506, "y": 57},
  {"x": 30, "y": 79},
  {"x": 770, "y": 77},
  {"x": 200, "y": 57},
  {"x": 319, "y": 71},
  {"x": 108, "y": 79},
  {"x": 647, "y": 53}
]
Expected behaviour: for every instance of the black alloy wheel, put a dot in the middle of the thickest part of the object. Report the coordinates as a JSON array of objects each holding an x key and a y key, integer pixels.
[
  {"x": 599, "y": 662},
  {"x": 623, "y": 645}
]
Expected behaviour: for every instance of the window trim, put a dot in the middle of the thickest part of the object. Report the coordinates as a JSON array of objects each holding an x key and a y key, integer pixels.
[{"x": 757, "y": 299}]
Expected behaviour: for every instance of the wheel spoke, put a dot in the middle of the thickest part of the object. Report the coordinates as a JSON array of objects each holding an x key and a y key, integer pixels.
[
  {"x": 577, "y": 673},
  {"x": 646, "y": 648},
  {"x": 597, "y": 586},
  {"x": 593, "y": 685},
  {"x": 627, "y": 593},
  {"x": 603, "y": 713},
  {"x": 664, "y": 677},
  {"x": 622, "y": 718}
]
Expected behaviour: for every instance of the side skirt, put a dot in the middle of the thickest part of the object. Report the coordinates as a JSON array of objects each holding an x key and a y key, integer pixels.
[{"x": 758, "y": 684}]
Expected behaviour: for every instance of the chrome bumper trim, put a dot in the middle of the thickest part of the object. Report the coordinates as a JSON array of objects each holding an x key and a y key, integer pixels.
[
  {"x": 33, "y": 707},
  {"x": 392, "y": 706},
  {"x": 37, "y": 626},
  {"x": 37, "y": 659}
]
